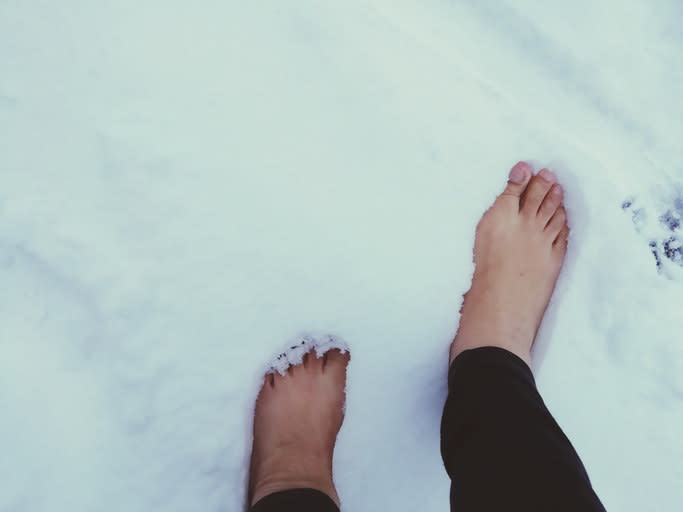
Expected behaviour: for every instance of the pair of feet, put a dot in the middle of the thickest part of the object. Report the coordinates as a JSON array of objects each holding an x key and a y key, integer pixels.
[{"x": 520, "y": 245}]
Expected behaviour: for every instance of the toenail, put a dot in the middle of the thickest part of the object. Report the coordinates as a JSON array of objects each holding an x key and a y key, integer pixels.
[
  {"x": 557, "y": 190},
  {"x": 548, "y": 175},
  {"x": 518, "y": 174}
]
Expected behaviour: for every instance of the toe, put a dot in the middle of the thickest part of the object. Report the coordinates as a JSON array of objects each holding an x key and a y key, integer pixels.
[
  {"x": 280, "y": 380},
  {"x": 316, "y": 363},
  {"x": 550, "y": 204},
  {"x": 295, "y": 369},
  {"x": 562, "y": 239},
  {"x": 520, "y": 175},
  {"x": 267, "y": 387},
  {"x": 536, "y": 191},
  {"x": 336, "y": 362},
  {"x": 556, "y": 223}
]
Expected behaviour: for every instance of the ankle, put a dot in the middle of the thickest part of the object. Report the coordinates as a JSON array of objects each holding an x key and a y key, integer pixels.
[
  {"x": 459, "y": 346},
  {"x": 484, "y": 324},
  {"x": 282, "y": 472}
]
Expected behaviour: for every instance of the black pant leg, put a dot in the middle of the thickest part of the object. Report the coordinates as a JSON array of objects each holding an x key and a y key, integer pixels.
[
  {"x": 296, "y": 500},
  {"x": 501, "y": 446}
]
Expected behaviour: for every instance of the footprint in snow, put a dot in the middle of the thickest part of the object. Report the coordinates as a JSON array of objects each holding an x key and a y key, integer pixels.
[{"x": 663, "y": 229}]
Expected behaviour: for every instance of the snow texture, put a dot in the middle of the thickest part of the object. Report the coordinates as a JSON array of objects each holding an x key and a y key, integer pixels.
[
  {"x": 184, "y": 187},
  {"x": 294, "y": 354}
]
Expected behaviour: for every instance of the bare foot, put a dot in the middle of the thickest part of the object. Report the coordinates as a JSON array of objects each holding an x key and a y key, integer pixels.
[
  {"x": 520, "y": 245},
  {"x": 297, "y": 418}
]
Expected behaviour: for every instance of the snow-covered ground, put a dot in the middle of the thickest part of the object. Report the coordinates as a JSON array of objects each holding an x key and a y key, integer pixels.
[{"x": 185, "y": 188}]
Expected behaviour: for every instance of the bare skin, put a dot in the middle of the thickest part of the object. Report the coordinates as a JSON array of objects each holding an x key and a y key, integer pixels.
[
  {"x": 519, "y": 249},
  {"x": 298, "y": 416}
]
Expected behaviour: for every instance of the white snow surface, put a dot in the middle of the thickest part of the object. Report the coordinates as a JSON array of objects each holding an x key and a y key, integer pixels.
[{"x": 187, "y": 187}]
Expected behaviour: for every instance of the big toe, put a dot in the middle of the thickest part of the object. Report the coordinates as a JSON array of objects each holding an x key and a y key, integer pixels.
[
  {"x": 335, "y": 362},
  {"x": 519, "y": 178}
]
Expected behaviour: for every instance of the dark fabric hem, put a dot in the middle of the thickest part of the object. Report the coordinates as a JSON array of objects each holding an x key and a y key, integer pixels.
[{"x": 296, "y": 500}]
